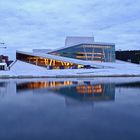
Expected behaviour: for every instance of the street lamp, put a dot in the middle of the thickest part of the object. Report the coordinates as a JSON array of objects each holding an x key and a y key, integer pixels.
[
  {"x": 2, "y": 43},
  {"x": 3, "y": 66},
  {"x": 3, "y": 47}
]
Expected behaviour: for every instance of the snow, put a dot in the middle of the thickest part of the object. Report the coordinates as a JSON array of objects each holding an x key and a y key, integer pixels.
[{"x": 21, "y": 69}]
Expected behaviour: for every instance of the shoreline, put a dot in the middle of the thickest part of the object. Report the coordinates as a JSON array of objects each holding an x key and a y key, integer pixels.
[
  {"x": 63, "y": 76},
  {"x": 22, "y": 70}
]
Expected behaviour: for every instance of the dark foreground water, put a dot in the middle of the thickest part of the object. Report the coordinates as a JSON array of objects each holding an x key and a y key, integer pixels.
[{"x": 70, "y": 109}]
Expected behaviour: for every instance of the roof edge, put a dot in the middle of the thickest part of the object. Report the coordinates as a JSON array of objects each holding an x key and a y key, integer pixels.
[{"x": 95, "y": 43}]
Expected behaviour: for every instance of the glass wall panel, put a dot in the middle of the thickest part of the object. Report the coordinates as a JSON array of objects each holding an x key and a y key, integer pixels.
[{"x": 89, "y": 52}]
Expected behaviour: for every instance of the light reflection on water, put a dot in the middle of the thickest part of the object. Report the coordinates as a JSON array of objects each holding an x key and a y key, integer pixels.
[
  {"x": 83, "y": 91},
  {"x": 70, "y": 109}
]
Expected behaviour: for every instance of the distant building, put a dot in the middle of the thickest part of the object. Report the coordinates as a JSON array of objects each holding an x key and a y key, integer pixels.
[
  {"x": 3, "y": 62},
  {"x": 132, "y": 56},
  {"x": 3, "y": 66},
  {"x": 4, "y": 58}
]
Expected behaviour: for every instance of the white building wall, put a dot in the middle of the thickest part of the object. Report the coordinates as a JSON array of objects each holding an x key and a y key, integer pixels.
[{"x": 71, "y": 41}]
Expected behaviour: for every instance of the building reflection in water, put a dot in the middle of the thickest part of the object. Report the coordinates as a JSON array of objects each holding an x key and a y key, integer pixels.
[
  {"x": 39, "y": 85},
  {"x": 73, "y": 91},
  {"x": 3, "y": 86}
]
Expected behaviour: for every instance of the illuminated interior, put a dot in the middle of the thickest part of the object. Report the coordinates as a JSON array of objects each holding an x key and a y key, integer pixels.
[
  {"x": 37, "y": 85},
  {"x": 88, "y": 52},
  {"x": 72, "y": 89},
  {"x": 46, "y": 62},
  {"x": 89, "y": 89},
  {"x": 81, "y": 89}
]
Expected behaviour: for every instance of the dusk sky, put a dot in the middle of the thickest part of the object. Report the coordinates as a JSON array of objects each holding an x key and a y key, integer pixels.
[{"x": 28, "y": 24}]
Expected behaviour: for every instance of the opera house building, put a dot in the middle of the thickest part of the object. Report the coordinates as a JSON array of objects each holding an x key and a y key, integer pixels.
[{"x": 78, "y": 52}]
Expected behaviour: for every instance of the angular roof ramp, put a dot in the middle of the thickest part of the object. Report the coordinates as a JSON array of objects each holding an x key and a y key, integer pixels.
[{"x": 66, "y": 59}]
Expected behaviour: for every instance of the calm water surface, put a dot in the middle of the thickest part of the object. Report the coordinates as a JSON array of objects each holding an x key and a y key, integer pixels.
[{"x": 70, "y": 109}]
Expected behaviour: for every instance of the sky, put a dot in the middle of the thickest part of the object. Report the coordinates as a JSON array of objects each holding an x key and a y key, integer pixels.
[{"x": 36, "y": 24}]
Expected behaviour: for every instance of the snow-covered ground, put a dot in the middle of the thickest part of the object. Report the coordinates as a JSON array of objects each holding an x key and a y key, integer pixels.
[{"x": 120, "y": 68}]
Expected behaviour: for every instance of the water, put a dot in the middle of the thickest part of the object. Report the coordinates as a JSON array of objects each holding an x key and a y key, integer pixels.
[{"x": 70, "y": 109}]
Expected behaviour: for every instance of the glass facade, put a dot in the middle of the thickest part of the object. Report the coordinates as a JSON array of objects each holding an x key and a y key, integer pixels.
[{"x": 89, "y": 52}]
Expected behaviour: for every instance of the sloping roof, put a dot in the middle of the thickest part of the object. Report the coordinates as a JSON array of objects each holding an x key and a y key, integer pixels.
[{"x": 66, "y": 59}]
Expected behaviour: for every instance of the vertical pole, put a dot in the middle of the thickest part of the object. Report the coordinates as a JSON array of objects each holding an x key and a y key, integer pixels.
[{"x": 85, "y": 51}]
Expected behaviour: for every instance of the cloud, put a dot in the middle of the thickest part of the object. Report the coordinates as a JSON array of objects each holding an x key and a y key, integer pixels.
[{"x": 28, "y": 24}]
